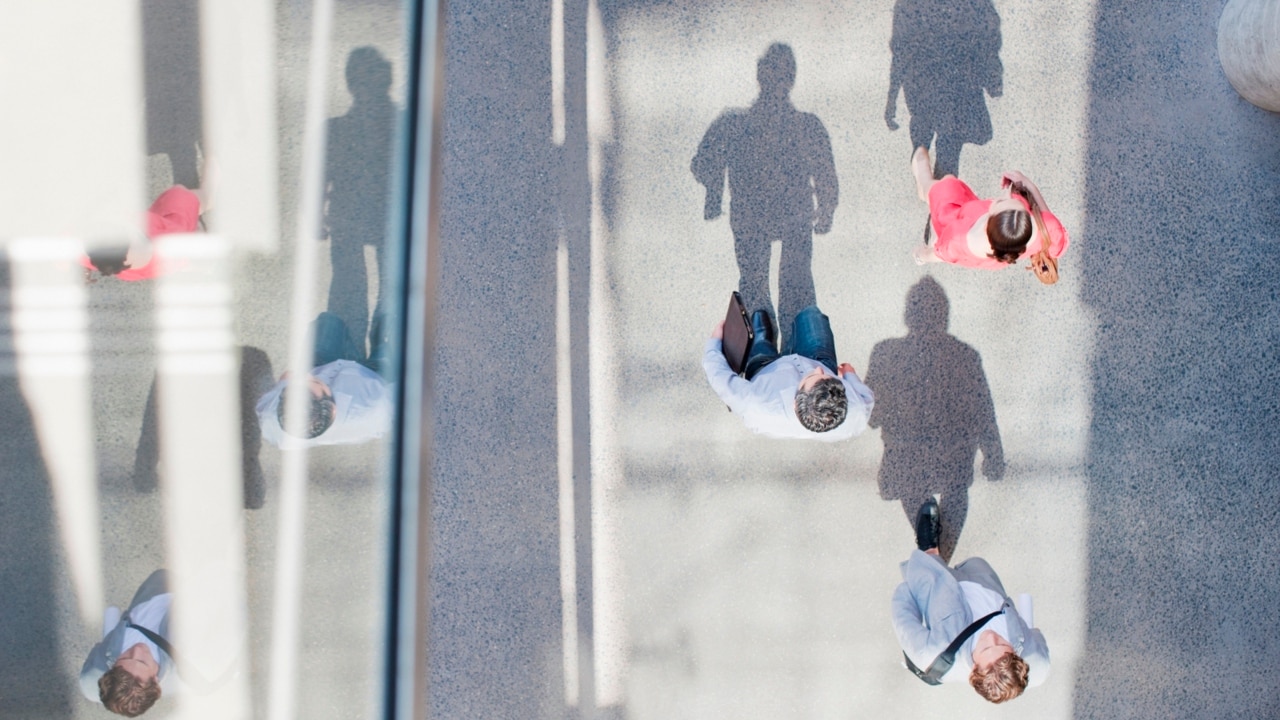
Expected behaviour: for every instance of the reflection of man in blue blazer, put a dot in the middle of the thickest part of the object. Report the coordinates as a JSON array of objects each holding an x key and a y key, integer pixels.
[
  {"x": 934, "y": 604},
  {"x": 128, "y": 670}
]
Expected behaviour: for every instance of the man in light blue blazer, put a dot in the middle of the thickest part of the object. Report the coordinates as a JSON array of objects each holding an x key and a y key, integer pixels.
[
  {"x": 935, "y": 604},
  {"x": 129, "y": 670}
]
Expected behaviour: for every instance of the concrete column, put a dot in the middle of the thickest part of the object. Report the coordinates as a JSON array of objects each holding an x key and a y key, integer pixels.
[{"x": 1249, "y": 50}]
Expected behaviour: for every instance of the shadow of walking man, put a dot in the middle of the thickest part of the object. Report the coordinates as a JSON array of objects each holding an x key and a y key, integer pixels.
[
  {"x": 358, "y": 172},
  {"x": 782, "y": 186},
  {"x": 945, "y": 54},
  {"x": 935, "y": 412}
]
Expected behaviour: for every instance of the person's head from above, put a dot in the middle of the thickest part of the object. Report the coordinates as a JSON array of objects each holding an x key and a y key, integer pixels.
[
  {"x": 132, "y": 685},
  {"x": 368, "y": 74},
  {"x": 998, "y": 675},
  {"x": 1009, "y": 223},
  {"x": 927, "y": 307},
  {"x": 821, "y": 403},
  {"x": 776, "y": 71},
  {"x": 110, "y": 261},
  {"x": 320, "y": 413}
]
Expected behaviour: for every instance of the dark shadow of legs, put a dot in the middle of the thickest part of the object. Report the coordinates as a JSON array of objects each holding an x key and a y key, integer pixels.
[
  {"x": 171, "y": 61},
  {"x": 34, "y": 679},
  {"x": 946, "y": 55},
  {"x": 795, "y": 279},
  {"x": 255, "y": 379}
]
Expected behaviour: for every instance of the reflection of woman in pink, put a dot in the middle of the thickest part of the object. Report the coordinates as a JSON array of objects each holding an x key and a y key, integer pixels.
[
  {"x": 989, "y": 234},
  {"x": 177, "y": 210}
]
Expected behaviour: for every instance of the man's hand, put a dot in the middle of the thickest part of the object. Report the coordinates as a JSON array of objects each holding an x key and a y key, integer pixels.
[
  {"x": 711, "y": 205},
  {"x": 1013, "y": 176},
  {"x": 822, "y": 224},
  {"x": 992, "y": 467},
  {"x": 718, "y": 332},
  {"x": 847, "y": 369}
]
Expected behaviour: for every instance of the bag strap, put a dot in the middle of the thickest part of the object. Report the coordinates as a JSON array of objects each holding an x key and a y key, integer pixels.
[
  {"x": 155, "y": 638},
  {"x": 1037, "y": 217},
  {"x": 942, "y": 664},
  {"x": 189, "y": 674}
]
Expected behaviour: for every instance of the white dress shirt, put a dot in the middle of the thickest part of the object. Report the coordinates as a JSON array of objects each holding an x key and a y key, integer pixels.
[
  {"x": 363, "y": 401},
  {"x": 153, "y": 615},
  {"x": 767, "y": 404}
]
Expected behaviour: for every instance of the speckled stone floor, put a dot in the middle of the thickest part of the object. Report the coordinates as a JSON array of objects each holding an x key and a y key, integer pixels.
[
  {"x": 723, "y": 575},
  {"x": 608, "y": 541}
]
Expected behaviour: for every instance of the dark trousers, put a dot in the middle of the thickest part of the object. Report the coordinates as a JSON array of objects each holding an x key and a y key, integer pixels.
[{"x": 810, "y": 337}]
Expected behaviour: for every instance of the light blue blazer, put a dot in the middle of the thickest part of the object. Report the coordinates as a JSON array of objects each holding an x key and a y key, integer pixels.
[
  {"x": 103, "y": 655},
  {"x": 929, "y": 611}
]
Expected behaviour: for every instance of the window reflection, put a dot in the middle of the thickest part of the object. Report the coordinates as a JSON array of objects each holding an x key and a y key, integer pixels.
[{"x": 141, "y": 383}]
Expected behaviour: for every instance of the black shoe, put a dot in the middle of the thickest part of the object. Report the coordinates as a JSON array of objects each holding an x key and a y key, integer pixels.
[
  {"x": 928, "y": 525},
  {"x": 764, "y": 348},
  {"x": 762, "y": 327}
]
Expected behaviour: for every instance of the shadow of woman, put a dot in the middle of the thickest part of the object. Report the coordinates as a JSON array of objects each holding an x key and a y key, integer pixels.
[
  {"x": 934, "y": 411},
  {"x": 945, "y": 54},
  {"x": 358, "y": 173},
  {"x": 171, "y": 64}
]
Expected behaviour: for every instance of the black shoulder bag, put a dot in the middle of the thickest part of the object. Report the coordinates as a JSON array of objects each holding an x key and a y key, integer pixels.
[{"x": 943, "y": 662}]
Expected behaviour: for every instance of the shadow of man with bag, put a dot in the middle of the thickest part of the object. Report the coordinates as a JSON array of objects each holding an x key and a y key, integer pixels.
[
  {"x": 934, "y": 411},
  {"x": 782, "y": 186},
  {"x": 358, "y": 177}
]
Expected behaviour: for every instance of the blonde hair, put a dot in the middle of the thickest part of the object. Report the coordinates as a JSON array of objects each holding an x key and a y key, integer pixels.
[{"x": 1004, "y": 680}]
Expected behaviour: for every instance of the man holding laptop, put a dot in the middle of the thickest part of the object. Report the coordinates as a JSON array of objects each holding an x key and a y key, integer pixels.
[{"x": 800, "y": 393}]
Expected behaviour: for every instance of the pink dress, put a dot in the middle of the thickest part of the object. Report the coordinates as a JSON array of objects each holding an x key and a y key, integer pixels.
[
  {"x": 954, "y": 208},
  {"x": 177, "y": 210}
]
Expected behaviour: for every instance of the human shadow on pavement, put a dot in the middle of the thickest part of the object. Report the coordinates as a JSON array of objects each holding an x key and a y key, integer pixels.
[
  {"x": 357, "y": 179},
  {"x": 34, "y": 679},
  {"x": 934, "y": 411},
  {"x": 782, "y": 187},
  {"x": 255, "y": 379},
  {"x": 946, "y": 54},
  {"x": 171, "y": 75},
  {"x": 1179, "y": 265}
]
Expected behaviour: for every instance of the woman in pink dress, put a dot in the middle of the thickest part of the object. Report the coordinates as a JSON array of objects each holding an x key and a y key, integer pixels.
[
  {"x": 177, "y": 210},
  {"x": 992, "y": 233}
]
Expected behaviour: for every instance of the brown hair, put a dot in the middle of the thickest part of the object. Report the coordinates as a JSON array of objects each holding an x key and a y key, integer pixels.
[
  {"x": 1009, "y": 232},
  {"x": 124, "y": 694},
  {"x": 1004, "y": 680},
  {"x": 109, "y": 261}
]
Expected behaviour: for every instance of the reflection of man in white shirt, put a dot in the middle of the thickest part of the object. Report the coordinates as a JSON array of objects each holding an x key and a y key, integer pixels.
[{"x": 349, "y": 404}]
